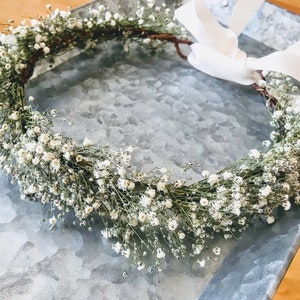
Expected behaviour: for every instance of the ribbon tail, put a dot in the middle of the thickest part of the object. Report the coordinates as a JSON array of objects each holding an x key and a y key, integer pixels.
[
  {"x": 199, "y": 21},
  {"x": 286, "y": 62},
  {"x": 204, "y": 14},
  {"x": 242, "y": 13}
]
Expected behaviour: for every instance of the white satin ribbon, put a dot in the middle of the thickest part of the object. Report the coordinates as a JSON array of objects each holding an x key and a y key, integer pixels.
[{"x": 216, "y": 51}]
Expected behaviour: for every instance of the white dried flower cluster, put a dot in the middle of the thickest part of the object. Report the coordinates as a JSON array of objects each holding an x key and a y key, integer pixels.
[{"x": 146, "y": 213}]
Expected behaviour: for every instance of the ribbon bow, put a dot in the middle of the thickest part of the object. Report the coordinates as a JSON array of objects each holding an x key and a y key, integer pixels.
[{"x": 216, "y": 52}]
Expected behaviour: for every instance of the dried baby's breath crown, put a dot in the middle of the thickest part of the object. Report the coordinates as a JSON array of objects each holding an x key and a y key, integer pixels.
[{"x": 145, "y": 214}]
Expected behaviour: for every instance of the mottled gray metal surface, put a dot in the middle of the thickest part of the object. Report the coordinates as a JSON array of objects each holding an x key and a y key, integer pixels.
[
  {"x": 171, "y": 113},
  {"x": 256, "y": 264}
]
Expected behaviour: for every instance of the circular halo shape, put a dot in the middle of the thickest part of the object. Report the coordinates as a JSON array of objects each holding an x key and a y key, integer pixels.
[{"x": 144, "y": 213}]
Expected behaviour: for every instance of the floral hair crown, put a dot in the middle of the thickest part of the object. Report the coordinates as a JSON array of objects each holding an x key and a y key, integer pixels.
[{"x": 147, "y": 214}]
